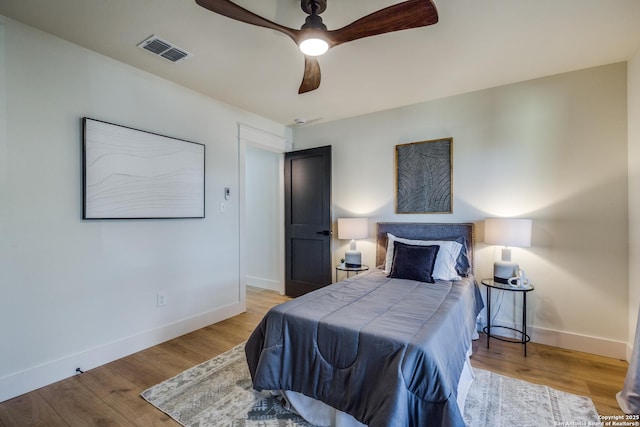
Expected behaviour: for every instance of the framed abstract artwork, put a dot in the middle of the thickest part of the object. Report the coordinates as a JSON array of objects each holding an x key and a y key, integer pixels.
[
  {"x": 424, "y": 177},
  {"x": 133, "y": 174}
]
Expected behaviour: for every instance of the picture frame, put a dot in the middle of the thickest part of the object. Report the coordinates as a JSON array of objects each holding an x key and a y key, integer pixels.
[
  {"x": 424, "y": 177},
  {"x": 133, "y": 174}
]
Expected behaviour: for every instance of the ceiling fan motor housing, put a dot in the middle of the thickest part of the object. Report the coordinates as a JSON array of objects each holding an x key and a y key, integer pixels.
[{"x": 314, "y": 22}]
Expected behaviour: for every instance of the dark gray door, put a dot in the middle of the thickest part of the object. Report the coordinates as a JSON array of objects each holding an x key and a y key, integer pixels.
[{"x": 307, "y": 184}]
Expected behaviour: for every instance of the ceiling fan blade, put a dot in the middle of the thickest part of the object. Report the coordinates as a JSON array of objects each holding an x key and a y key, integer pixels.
[
  {"x": 311, "y": 79},
  {"x": 401, "y": 16},
  {"x": 231, "y": 10}
]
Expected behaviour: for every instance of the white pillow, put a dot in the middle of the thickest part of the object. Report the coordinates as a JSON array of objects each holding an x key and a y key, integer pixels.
[{"x": 445, "y": 268}]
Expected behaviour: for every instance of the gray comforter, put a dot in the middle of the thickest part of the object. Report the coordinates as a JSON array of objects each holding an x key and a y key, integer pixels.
[{"x": 387, "y": 351}]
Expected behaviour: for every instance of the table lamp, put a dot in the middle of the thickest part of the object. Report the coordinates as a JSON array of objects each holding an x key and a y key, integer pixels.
[
  {"x": 507, "y": 232},
  {"x": 352, "y": 229}
]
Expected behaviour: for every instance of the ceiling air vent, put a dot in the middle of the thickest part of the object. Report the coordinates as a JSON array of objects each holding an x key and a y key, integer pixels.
[{"x": 163, "y": 48}]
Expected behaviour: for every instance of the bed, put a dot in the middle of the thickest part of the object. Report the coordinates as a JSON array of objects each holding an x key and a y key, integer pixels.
[{"x": 384, "y": 348}]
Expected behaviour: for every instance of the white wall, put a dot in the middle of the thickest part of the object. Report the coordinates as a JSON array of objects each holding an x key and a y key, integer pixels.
[
  {"x": 633, "y": 102},
  {"x": 264, "y": 213},
  {"x": 81, "y": 293},
  {"x": 552, "y": 149}
]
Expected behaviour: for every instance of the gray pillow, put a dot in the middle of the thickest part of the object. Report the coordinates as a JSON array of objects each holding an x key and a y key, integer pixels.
[{"x": 463, "y": 265}]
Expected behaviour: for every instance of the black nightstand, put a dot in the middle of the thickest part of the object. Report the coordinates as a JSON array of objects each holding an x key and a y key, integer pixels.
[
  {"x": 356, "y": 270},
  {"x": 491, "y": 284}
]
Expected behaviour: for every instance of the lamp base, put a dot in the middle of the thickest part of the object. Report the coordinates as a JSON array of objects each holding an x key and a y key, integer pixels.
[
  {"x": 504, "y": 270},
  {"x": 352, "y": 259}
]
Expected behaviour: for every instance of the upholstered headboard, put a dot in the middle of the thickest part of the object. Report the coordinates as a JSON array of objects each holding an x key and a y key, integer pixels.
[{"x": 423, "y": 231}]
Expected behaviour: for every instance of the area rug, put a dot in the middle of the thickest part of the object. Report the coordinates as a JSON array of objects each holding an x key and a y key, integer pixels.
[{"x": 218, "y": 393}]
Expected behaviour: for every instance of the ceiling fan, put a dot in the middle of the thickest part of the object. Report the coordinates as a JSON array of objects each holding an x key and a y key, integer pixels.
[{"x": 314, "y": 39}]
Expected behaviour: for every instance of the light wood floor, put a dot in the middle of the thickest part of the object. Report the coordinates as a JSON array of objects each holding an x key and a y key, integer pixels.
[{"x": 109, "y": 395}]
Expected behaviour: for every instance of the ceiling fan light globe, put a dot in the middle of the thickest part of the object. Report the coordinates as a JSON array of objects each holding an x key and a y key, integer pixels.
[{"x": 314, "y": 46}]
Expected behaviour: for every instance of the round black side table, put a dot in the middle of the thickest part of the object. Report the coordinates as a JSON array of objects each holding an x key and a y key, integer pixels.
[{"x": 491, "y": 284}]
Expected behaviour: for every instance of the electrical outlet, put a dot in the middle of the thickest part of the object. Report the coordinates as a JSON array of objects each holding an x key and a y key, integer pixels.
[{"x": 161, "y": 299}]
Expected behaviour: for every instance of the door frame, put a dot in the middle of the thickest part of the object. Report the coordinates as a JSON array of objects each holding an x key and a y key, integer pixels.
[{"x": 248, "y": 135}]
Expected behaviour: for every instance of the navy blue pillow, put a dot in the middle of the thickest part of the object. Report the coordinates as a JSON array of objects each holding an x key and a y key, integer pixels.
[{"x": 413, "y": 262}]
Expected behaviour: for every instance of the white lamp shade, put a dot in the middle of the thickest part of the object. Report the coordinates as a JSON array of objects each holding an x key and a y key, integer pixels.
[
  {"x": 353, "y": 228},
  {"x": 507, "y": 232}
]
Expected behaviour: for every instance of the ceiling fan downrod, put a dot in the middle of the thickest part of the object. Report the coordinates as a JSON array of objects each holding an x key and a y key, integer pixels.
[{"x": 313, "y": 7}]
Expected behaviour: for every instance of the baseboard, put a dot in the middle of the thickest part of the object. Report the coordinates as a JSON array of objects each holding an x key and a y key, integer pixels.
[
  {"x": 629, "y": 351},
  {"x": 584, "y": 343},
  {"x": 33, "y": 378},
  {"x": 587, "y": 344},
  {"x": 259, "y": 282},
  {"x": 567, "y": 340}
]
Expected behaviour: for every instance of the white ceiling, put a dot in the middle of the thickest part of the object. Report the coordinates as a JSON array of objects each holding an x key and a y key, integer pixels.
[{"x": 477, "y": 44}]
